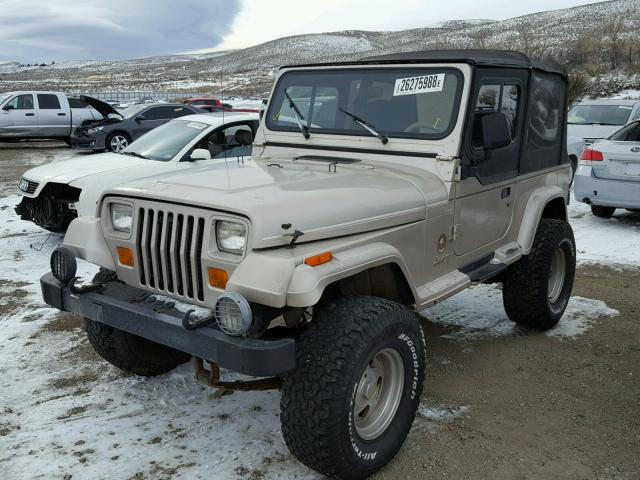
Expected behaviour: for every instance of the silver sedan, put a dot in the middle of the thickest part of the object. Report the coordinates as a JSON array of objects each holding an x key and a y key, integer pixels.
[{"x": 608, "y": 176}]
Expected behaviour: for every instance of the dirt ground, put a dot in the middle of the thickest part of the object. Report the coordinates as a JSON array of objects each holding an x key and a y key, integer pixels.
[{"x": 535, "y": 407}]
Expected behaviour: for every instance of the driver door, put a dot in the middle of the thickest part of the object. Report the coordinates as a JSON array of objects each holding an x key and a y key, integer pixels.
[
  {"x": 486, "y": 195},
  {"x": 20, "y": 116}
]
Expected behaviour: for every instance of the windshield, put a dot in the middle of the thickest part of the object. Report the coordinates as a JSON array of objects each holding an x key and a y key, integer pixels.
[
  {"x": 403, "y": 103},
  {"x": 130, "y": 111},
  {"x": 600, "y": 114},
  {"x": 3, "y": 97},
  {"x": 164, "y": 142}
]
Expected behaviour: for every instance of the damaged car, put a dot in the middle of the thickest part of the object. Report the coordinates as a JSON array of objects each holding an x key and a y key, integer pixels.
[
  {"x": 119, "y": 128},
  {"x": 54, "y": 194}
]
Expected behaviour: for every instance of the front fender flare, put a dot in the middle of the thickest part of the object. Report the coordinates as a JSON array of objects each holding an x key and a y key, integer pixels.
[
  {"x": 308, "y": 283},
  {"x": 85, "y": 240}
]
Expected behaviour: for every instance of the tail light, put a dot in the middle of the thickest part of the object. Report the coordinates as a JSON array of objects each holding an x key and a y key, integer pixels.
[{"x": 590, "y": 155}]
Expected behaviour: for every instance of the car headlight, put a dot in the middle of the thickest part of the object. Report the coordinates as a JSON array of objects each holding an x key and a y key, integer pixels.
[
  {"x": 91, "y": 131},
  {"x": 231, "y": 237},
  {"x": 121, "y": 217}
]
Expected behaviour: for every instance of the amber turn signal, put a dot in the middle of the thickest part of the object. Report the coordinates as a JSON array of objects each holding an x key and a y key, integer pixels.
[
  {"x": 318, "y": 259},
  {"x": 125, "y": 256},
  {"x": 218, "y": 278}
]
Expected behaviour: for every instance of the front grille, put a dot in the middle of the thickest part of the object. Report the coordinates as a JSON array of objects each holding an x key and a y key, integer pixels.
[
  {"x": 27, "y": 186},
  {"x": 169, "y": 247}
]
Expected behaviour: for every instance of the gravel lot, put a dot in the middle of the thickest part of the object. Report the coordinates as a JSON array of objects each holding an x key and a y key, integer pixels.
[{"x": 499, "y": 401}]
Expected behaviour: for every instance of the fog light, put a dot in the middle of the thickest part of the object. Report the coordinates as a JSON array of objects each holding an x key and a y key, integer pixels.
[
  {"x": 233, "y": 314},
  {"x": 63, "y": 264}
]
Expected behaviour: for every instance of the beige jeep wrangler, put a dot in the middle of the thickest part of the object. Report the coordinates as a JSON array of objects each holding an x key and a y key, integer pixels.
[{"x": 377, "y": 188}]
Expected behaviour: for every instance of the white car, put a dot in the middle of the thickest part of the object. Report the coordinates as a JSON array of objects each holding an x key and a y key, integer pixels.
[
  {"x": 575, "y": 147},
  {"x": 56, "y": 193},
  {"x": 593, "y": 120}
]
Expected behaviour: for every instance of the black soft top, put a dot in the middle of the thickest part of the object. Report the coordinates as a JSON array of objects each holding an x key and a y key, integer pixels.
[{"x": 484, "y": 58}]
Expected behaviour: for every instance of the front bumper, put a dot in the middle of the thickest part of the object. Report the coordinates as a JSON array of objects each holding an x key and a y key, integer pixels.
[
  {"x": 118, "y": 306},
  {"x": 605, "y": 192},
  {"x": 95, "y": 141}
]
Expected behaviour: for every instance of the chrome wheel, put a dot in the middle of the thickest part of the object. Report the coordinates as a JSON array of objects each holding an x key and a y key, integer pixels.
[
  {"x": 118, "y": 143},
  {"x": 378, "y": 394},
  {"x": 557, "y": 274}
]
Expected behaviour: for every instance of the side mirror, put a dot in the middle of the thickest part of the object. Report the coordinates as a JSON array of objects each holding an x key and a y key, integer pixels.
[
  {"x": 139, "y": 118},
  {"x": 200, "y": 154},
  {"x": 8, "y": 107},
  {"x": 496, "y": 131}
]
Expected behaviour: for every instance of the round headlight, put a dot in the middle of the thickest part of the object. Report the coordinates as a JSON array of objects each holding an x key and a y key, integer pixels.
[
  {"x": 63, "y": 264},
  {"x": 233, "y": 314},
  {"x": 231, "y": 237},
  {"x": 121, "y": 217}
]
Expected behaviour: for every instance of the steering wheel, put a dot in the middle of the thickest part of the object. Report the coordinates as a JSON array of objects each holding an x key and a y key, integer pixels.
[{"x": 414, "y": 127}]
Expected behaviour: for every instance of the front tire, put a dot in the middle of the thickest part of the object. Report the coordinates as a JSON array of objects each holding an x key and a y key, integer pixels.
[
  {"x": 117, "y": 142},
  {"x": 537, "y": 288},
  {"x": 348, "y": 406},
  {"x": 129, "y": 352}
]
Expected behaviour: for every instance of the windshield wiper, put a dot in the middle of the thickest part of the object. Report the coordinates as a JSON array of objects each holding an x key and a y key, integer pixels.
[
  {"x": 134, "y": 154},
  {"x": 367, "y": 126},
  {"x": 299, "y": 118}
]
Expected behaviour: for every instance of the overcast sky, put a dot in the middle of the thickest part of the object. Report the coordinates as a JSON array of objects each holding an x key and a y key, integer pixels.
[{"x": 45, "y": 30}]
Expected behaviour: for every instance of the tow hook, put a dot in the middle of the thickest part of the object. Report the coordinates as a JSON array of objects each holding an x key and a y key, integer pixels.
[{"x": 211, "y": 377}]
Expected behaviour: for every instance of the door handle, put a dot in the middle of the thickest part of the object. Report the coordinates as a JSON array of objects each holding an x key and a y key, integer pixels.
[
  {"x": 29, "y": 114},
  {"x": 61, "y": 114},
  {"x": 635, "y": 149},
  {"x": 506, "y": 192}
]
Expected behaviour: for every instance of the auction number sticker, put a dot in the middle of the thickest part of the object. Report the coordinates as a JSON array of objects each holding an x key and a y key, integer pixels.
[{"x": 415, "y": 85}]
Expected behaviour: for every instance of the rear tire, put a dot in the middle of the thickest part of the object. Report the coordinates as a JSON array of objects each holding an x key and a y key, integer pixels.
[
  {"x": 537, "y": 288},
  {"x": 348, "y": 406},
  {"x": 129, "y": 352},
  {"x": 602, "y": 212}
]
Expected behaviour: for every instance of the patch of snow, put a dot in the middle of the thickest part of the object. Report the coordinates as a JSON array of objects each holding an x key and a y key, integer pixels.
[
  {"x": 614, "y": 241},
  {"x": 477, "y": 313}
]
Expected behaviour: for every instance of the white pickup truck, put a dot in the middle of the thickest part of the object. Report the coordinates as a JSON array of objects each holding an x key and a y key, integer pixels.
[{"x": 30, "y": 115}]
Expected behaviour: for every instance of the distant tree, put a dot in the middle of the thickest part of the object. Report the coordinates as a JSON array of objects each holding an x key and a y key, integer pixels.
[
  {"x": 613, "y": 30},
  {"x": 480, "y": 38},
  {"x": 578, "y": 83}
]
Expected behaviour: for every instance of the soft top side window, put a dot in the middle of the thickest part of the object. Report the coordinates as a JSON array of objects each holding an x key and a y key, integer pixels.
[{"x": 492, "y": 98}]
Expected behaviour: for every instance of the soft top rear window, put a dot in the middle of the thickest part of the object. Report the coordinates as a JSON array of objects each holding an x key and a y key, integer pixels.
[{"x": 419, "y": 103}]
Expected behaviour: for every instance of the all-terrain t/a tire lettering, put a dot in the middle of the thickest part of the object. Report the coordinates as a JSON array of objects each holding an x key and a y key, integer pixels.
[{"x": 320, "y": 422}]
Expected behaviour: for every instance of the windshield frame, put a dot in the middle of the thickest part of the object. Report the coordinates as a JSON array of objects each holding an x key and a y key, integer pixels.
[
  {"x": 422, "y": 69},
  {"x": 179, "y": 155},
  {"x": 612, "y": 106}
]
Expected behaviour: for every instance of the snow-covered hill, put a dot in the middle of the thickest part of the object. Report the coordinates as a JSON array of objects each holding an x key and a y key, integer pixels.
[{"x": 251, "y": 70}]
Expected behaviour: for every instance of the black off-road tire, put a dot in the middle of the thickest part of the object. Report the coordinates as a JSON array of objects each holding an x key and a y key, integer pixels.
[
  {"x": 603, "y": 212},
  {"x": 318, "y": 397},
  {"x": 129, "y": 352},
  {"x": 525, "y": 289}
]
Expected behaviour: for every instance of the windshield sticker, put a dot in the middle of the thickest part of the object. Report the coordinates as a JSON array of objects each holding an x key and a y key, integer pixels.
[
  {"x": 197, "y": 125},
  {"x": 415, "y": 85}
]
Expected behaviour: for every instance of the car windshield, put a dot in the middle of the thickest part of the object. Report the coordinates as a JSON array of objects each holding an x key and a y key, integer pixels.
[
  {"x": 3, "y": 97},
  {"x": 403, "y": 103},
  {"x": 599, "y": 114},
  {"x": 130, "y": 111},
  {"x": 164, "y": 142}
]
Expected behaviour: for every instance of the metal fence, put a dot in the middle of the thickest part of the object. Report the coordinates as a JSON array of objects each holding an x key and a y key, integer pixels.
[{"x": 127, "y": 97}]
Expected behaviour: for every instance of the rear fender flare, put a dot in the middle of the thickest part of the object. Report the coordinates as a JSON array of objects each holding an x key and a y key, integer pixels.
[{"x": 536, "y": 204}]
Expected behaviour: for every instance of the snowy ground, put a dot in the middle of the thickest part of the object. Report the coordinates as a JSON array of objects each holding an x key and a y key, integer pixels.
[{"x": 67, "y": 414}]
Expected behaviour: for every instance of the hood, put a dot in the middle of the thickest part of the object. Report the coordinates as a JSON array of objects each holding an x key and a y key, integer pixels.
[
  {"x": 67, "y": 171},
  {"x": 592, "y": 131},
  {"x": 102, "y": 107},
  {"x": 321, "y": 204}
]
